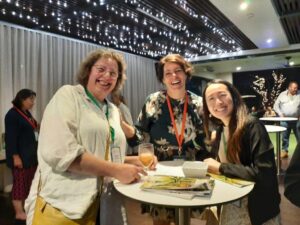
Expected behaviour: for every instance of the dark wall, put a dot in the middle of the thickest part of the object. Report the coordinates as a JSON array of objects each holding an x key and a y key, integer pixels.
[
  {"x": 197, "y": 84},
  {"x": 243, "y": 81}
]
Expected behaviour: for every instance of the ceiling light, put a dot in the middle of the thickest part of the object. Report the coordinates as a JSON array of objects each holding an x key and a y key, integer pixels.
[
  {"x": 238, "y": 68},
  {"x": 153, "y": 17},
  {"x": 291, "y": 63},
  {"x": 269, "y": 40},
  {"x": 243, "y": 6}
]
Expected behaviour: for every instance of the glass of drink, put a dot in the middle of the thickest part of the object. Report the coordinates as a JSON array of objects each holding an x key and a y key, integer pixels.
[{"x": 146, "y": 154}]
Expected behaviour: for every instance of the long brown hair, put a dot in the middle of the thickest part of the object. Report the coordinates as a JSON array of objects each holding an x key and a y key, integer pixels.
[{"x": 239, "y": 118}]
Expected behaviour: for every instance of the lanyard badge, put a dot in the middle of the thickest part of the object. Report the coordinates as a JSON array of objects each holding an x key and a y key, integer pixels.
[
  {"x": 115, "y": 153},
  {"x": 180, "y": 137}
]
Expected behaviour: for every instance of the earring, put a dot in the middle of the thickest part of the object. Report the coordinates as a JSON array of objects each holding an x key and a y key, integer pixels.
[{"x": 210, "y": 115}]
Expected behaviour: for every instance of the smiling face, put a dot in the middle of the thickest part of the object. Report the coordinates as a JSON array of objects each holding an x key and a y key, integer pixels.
[
  {"x": 219, "y": 102},
  {"x": 174, "y": 77},
  {"x": 103, "y": 78}
]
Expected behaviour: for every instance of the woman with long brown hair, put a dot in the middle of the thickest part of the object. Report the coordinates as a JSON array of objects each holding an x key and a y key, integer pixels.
[{"x": 242, "y": 149}]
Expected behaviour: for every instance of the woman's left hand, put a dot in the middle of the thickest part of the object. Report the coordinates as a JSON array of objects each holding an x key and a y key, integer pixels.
[{"x": 213, "y": 165}]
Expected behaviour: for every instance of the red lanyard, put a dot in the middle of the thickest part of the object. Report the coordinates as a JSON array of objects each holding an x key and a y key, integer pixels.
[
  {"x": 32, "y": 122},
  {"x": 181, "y": 136}
]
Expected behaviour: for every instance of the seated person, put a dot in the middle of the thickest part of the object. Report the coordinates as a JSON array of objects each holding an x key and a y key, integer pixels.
[
  {"x": 269, "y": 112},
  {"x": 257, "y": 111},
  {"x": 242, "y": 149}
]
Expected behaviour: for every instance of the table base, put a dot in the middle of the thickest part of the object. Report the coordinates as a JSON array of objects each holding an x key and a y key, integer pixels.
[
  {"x": 278, "y": 146},
  {"x": 183, "y": 216}
]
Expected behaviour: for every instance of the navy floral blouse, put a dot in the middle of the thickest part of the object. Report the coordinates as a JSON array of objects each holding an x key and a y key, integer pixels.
[{"x": 155, "y": 125}]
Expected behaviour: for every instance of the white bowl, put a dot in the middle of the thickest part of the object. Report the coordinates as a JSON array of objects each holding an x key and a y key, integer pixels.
[{"x": 194, "y": 169}]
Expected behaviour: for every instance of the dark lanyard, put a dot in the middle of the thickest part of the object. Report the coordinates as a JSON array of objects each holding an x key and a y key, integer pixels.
[
  {"x": 31, "y": 122},
  {"x": 94, "y": 100},
  {"x": 181, "y": 136}
]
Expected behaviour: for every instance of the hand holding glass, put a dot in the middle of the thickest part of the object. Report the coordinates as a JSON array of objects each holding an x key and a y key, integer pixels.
[{"x": 146, "y": 154}]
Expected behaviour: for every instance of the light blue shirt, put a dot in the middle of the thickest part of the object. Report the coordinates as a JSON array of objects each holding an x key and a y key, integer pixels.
[{"x": 288, "y": 105}]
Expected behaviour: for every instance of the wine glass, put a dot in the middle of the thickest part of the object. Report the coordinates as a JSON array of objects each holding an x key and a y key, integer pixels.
[{"x": 146, "y": 154}]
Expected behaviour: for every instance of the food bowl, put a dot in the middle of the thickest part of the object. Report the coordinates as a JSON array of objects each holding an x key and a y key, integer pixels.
[{"x": 194, "y": 169}]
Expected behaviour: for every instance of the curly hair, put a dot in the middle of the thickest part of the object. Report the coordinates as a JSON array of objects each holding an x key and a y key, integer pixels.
[
  {"x": 85, "y": 68},
  {"x": 173, "y": 58}
]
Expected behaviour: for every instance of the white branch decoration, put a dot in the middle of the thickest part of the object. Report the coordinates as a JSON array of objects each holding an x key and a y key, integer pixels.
[{"x": 268, "y": 96}]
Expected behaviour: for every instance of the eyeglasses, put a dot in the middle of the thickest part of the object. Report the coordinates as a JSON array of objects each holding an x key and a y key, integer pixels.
[
  {"x": 170, "y": 73},
  {"x": 102, "y": 71}
]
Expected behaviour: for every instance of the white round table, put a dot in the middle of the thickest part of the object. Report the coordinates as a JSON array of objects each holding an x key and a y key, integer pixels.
[
  {"x": 277, "y": 121},
  {"x": 274, "y": 128},
  {"x": 222, "y": 193},
  {"x": 248, "y": 96},
  {"x": 277, "y": 130}
]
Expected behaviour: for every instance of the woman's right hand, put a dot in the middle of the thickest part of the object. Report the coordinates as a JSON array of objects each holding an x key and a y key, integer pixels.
[
  {"x": 17, "y": 162},
  {"x": 129, "y": 173},
  {"x": 213, "y": 165}
]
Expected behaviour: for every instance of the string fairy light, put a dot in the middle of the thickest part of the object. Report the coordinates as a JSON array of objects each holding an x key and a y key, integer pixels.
[{"x": 139, "y": 28}]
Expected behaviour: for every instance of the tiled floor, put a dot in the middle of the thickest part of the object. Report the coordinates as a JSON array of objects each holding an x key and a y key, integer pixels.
[{"x": 290, "y": 214}]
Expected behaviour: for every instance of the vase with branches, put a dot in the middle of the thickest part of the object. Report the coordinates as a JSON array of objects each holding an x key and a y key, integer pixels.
[{"x": 269, "y": 95}]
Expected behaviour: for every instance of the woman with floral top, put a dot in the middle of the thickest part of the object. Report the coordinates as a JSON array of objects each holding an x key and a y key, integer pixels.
[{"x": 171, "y": 120}]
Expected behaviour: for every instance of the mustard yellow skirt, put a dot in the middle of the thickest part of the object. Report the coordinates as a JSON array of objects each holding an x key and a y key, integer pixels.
[{"x": 45, "y": 214}]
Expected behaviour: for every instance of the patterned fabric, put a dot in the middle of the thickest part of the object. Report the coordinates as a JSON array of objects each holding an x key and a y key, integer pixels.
[
  {"x": 112, "y": 209},
  {"x": 168, "y": 214},
  {"x": 154, "y": 122},
  {"x": 236, "y": 213},
  {"x": 22, "y": 179},
  {"x": 161, "y": 213}
]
